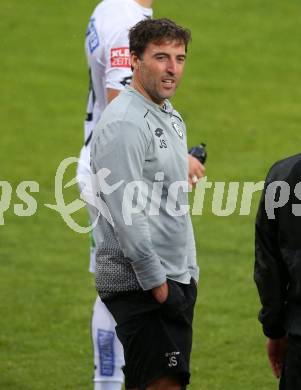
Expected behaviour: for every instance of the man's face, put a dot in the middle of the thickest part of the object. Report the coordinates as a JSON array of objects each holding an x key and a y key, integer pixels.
[{"x": 159, "y": 71}]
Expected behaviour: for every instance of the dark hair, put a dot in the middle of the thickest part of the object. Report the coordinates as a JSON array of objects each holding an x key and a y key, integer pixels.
[{"x": 156, "y": 31}]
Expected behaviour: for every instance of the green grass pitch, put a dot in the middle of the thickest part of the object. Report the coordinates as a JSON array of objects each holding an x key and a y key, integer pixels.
[{"x": 240, "y": 94}]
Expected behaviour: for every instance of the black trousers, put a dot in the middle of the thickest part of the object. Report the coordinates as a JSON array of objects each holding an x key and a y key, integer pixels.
[{"x": 291, "y": 374}]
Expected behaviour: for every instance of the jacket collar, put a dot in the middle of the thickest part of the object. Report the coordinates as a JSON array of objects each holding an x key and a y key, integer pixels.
[{"x": 167, "y": 107}]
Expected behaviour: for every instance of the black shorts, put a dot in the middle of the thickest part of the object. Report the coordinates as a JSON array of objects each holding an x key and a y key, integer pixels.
[{"x": 156, "y": 337}]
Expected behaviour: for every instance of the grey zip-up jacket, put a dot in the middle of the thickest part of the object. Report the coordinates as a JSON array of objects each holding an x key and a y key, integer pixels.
[{"x": 140, "y": 153}]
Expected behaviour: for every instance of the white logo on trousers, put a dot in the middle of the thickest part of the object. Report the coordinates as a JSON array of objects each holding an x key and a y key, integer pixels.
[{"x": 172, "y": 361}]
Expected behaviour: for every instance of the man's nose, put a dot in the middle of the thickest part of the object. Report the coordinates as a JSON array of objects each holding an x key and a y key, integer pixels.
[{"x": 172, "y": 66}]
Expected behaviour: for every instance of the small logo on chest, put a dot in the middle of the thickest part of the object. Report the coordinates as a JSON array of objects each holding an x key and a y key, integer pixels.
[
  {"x": 178, "y": 129},
  {"x": 159, "y": 132},
  {"x": 163, "y": 144}
]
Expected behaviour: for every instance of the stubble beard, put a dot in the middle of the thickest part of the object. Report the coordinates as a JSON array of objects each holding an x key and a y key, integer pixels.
[{"x": 154, "y": 91}]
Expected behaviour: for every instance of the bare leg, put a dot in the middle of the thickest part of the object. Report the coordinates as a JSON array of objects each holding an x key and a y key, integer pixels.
[{"x": 166, "y": 383}]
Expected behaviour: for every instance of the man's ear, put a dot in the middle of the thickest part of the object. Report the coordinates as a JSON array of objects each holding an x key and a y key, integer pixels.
[{"x": 134, "y": 61}]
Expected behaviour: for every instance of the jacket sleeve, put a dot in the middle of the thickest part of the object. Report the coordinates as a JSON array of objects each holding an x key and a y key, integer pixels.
[
  {"x": 120, "y": 147},
  {"x": 269, "y": 273},
  {"x": 191, "y": 252}
]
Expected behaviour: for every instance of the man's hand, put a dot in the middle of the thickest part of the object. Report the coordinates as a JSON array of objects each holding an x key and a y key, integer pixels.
[
  {"x": 160, "y": 293},
  {"x": 196, "y": 170},
  {"x": 276, "y": 350}
]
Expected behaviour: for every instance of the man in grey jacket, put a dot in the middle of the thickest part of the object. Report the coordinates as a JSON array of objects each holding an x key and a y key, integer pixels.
[{"x": 146, "y": 271}]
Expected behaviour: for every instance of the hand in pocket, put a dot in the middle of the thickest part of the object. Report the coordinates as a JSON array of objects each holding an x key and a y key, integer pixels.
[{"x": 176, "y": 300}]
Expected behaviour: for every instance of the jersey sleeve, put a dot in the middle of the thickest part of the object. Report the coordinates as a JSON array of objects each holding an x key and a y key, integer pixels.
[
  {"x": 269, "y": 272},
  {"x": 118, "y": 71}
]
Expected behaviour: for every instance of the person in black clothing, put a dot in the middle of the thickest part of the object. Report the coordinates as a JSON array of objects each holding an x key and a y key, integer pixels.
[{"x": 277, "y": 270}]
